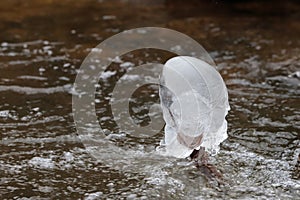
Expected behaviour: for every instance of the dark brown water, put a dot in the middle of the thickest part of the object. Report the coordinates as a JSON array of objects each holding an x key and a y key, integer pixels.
[{"x": 255, "y": 45}]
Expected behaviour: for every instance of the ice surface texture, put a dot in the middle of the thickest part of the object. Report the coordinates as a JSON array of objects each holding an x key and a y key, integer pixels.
[{"x": 194, "y": 100}]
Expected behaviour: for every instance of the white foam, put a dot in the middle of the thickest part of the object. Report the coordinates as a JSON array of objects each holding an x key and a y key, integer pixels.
[{"x": 43, "y": 163}]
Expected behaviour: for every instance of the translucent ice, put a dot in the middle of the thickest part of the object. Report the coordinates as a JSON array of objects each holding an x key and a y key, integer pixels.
[{"x": 194, "y": 100}]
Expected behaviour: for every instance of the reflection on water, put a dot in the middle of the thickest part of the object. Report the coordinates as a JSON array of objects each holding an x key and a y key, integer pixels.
[{"x": 42, "y": 43}]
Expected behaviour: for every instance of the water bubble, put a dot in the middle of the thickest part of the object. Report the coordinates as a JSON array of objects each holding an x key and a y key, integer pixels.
[{"x": 194, "y": 100}]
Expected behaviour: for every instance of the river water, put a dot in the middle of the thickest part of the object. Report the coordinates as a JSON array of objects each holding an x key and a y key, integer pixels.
[{"x": 42, "y": 45}]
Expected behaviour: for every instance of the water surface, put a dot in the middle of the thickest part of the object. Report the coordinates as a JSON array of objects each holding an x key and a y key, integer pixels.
[{"x": 43, "y": 43}]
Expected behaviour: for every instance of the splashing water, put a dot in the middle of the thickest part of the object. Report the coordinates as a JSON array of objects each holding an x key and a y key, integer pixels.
[
  {"x": 194, "y": 100},
  {"x": 41, "y": 156}
]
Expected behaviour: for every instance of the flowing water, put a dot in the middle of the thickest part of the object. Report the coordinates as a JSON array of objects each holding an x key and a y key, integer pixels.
[{"x": 42, "y": 44}]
